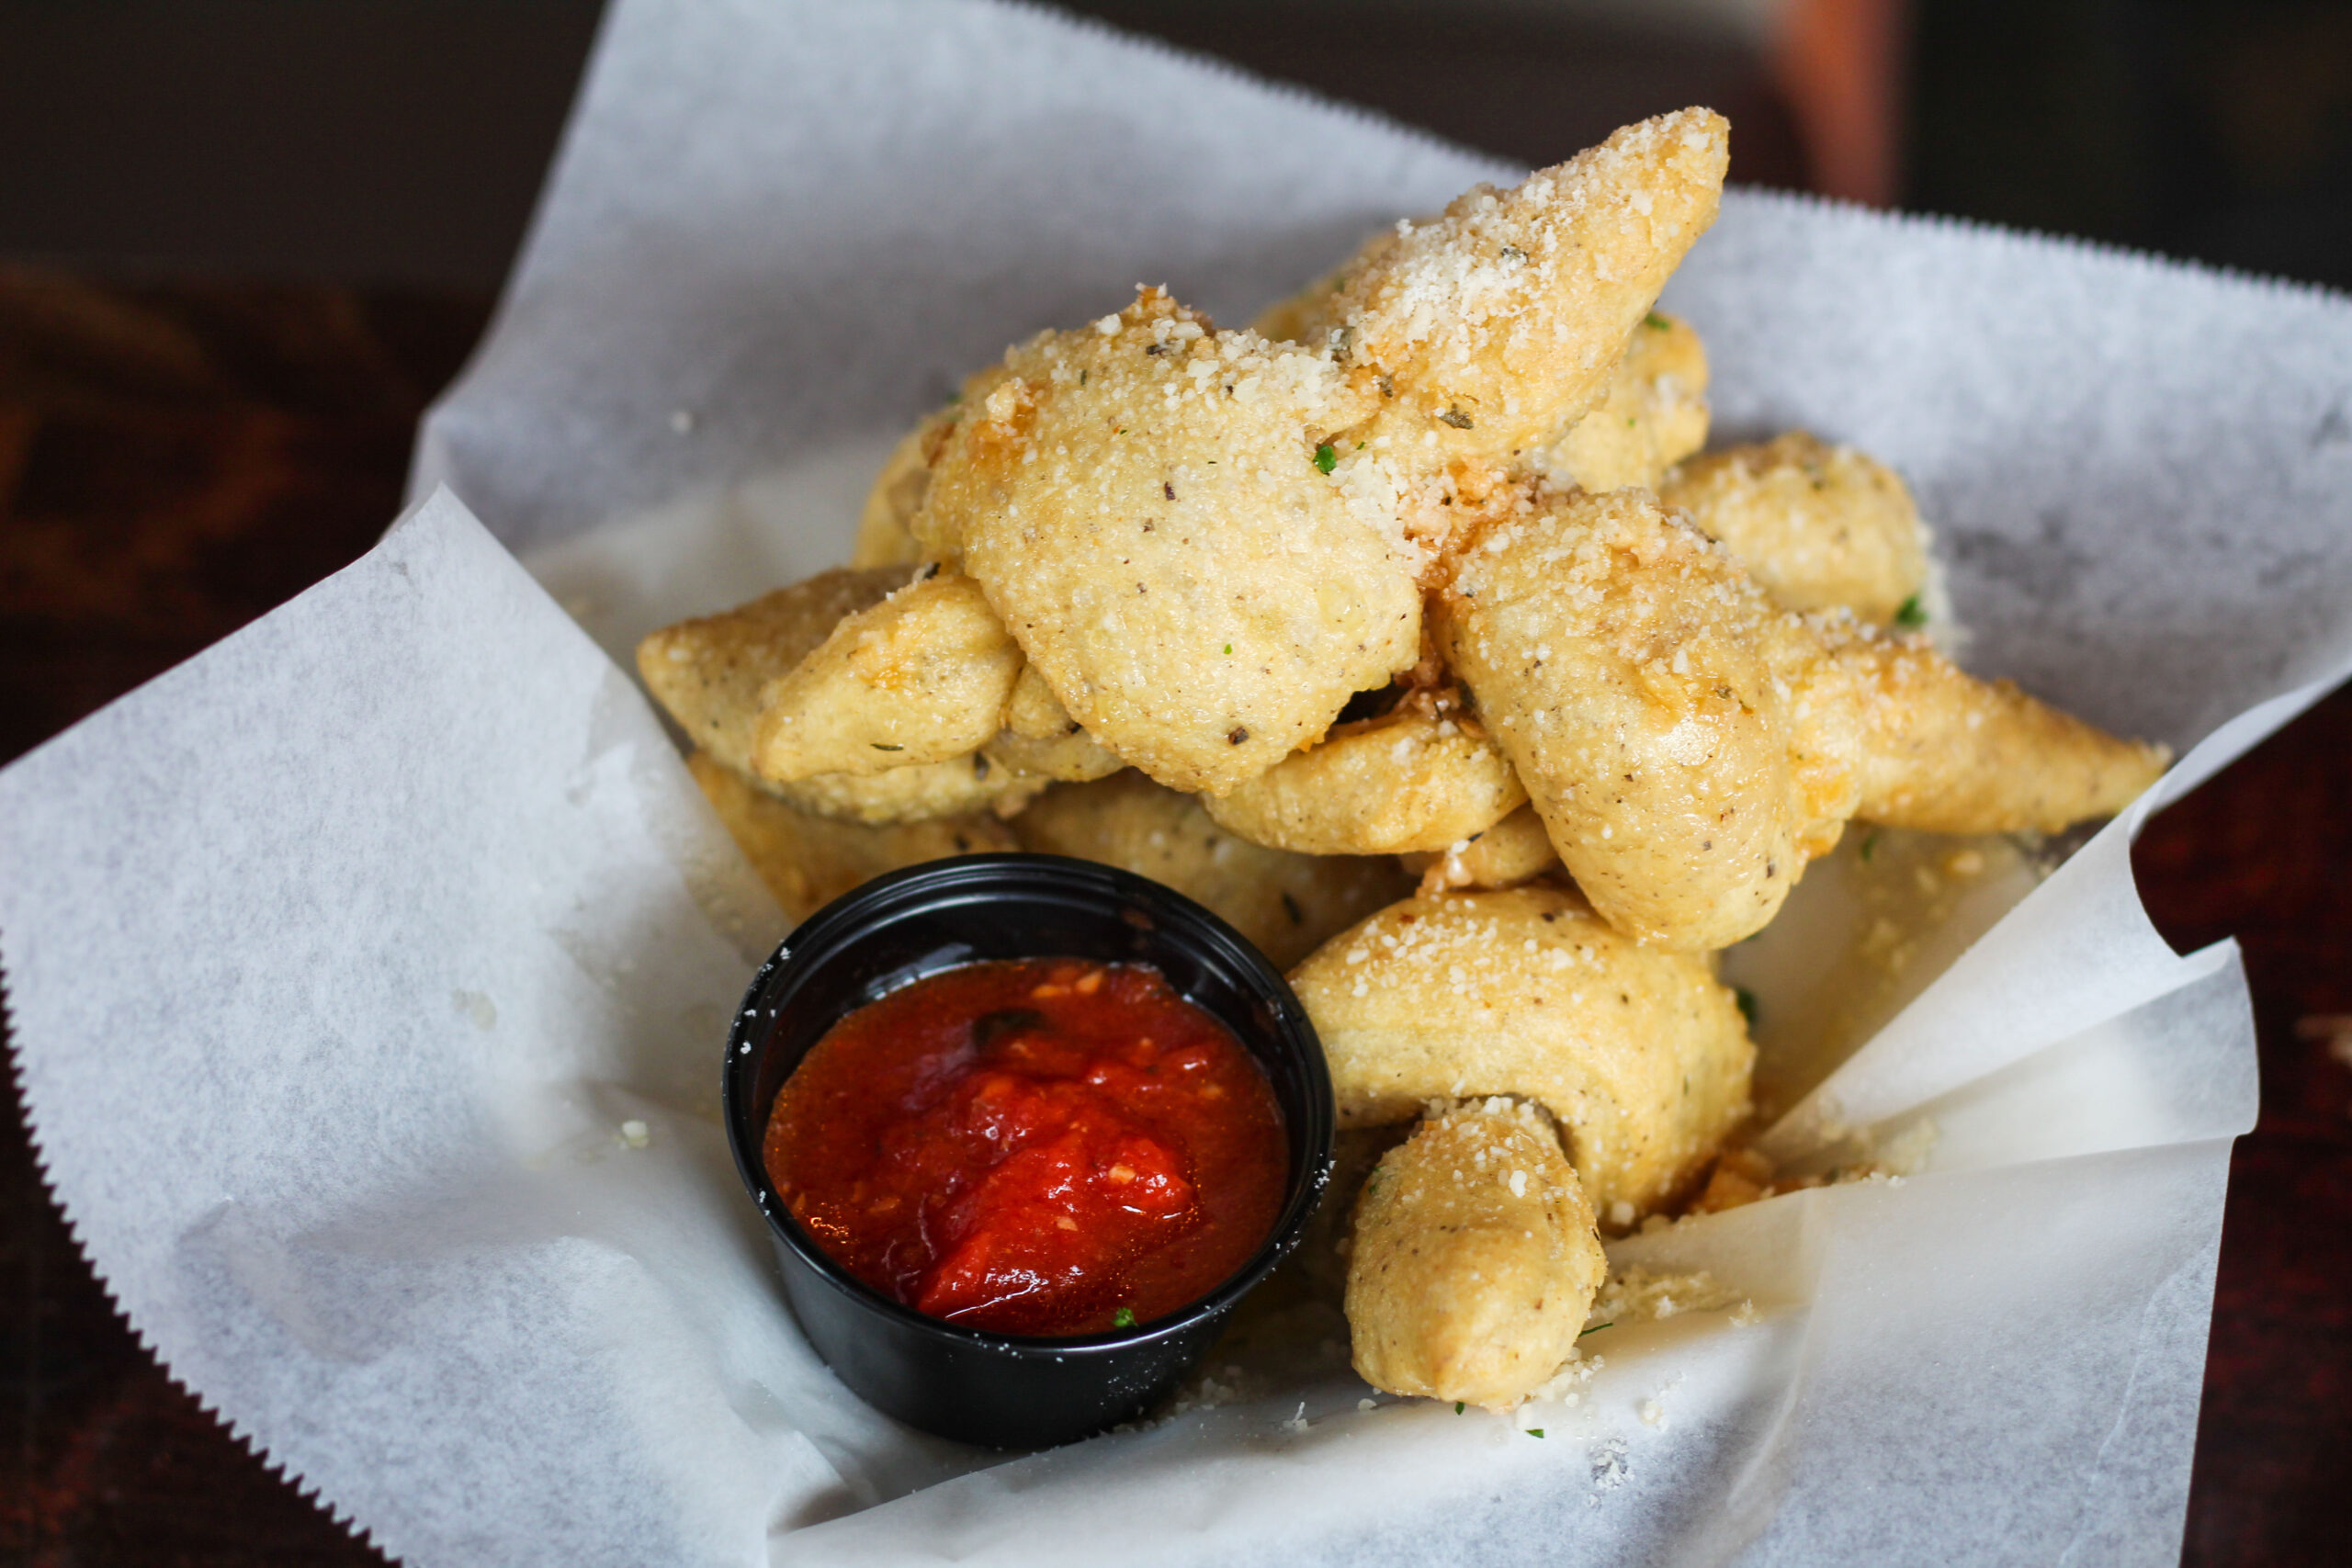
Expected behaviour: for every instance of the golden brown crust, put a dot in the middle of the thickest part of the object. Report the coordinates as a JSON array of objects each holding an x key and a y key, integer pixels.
[
  {"x": 1284, "y": 903},
  {"x": 1816, "y": 525},
  {"x": 1641, "y": 1056},
  {"x": 1474, "y": 1259},
  {"x": 1513, "y": 850},
  {"x": 1310, "y": 316},
  {"x": 1652, "y": 415},
  {"x": 1041, "y": 738},
  {"x": 1075, "y": 757},
  {"x": 921, "y": 677},
  {"x": 1409, "y": 780},
  {"x": 1033, "y": 713},
  {"x": 885, "y": 530},
  {"x": 1639, "y": 683},
  {"x": 1496, "y": 326},
  {"x": 808, "y": 860},
  {"x": 918, "y": 794},
  {"x": 1141, "y": 500},
  {"x": 1689, "y": 745},
  {"x": 1946, "y": 753},
  {"x": 709, "y": 673}
]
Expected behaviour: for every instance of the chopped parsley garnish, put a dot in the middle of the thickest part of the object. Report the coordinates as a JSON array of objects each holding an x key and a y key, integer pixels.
[
  {"x": 1228, "y": 648},
  {"x": 1123, "y": 1318},
  {"x": 1911, "y": 615},
  {"x": 1599, "y": 1327},
  {"x": 1459, "y": 1407},
  {"x": 1746, "y": 999},
  {"x": 1657, "y": 322},
  {"x": 1535, "y": 1432},
  {"x": 1869, "y": 846},
  {"x": 878, "y": 745},
  {"x": 1327, "y": 456}
]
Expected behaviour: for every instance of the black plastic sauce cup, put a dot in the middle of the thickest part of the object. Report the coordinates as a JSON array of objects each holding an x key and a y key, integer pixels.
[{"x": 1010, "y": 1391}]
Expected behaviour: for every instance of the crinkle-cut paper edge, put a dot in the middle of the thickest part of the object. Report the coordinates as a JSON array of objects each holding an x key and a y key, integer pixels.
[{"x": 272, "y": 1466}]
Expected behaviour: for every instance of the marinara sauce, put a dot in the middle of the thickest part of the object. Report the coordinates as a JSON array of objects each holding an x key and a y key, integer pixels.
[{"x": 1048, "y": 1148}]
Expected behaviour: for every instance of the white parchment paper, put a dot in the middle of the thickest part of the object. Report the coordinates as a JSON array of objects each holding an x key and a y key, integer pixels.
[{"x": 339, "y": 958}]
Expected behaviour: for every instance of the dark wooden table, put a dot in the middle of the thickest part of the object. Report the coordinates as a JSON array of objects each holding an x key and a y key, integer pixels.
[{"x": 176, "y": 460}]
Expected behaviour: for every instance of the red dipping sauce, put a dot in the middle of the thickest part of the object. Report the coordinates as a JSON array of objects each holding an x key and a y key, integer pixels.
[{"x": 1048, "y": 1148}]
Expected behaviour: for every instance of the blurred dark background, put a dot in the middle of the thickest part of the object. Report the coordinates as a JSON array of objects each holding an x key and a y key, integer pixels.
[
  {"x": 400, "y": 142},
  {"x": 243, "y": 242}
]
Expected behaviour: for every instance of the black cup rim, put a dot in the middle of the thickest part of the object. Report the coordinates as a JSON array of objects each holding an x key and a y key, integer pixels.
[{"x": 852, "y": 913}]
